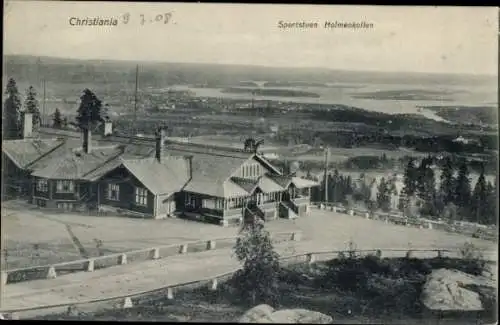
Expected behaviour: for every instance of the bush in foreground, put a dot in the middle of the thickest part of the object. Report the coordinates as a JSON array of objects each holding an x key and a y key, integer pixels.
[{"x": 258, "y": 281}]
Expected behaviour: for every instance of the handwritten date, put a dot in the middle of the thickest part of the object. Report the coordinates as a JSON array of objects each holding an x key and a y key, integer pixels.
[{"x": 147, "y": 19}]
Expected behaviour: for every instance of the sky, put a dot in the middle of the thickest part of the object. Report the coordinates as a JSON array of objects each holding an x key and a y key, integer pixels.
[{"x": 416, "y": 39}]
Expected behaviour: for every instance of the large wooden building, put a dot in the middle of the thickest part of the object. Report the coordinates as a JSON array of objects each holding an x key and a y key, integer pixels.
[{"x": 156, "y": 178}]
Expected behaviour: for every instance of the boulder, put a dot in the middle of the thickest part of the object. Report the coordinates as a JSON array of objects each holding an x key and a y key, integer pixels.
[
  {"x": 257, "y": 314},
  {"x": 453, "y": 290},
  {"x": 266, "y": 314},
  {"x": 300, "y": 316}
]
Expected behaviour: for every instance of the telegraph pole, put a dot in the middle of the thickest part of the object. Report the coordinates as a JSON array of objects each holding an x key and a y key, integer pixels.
[
  {"x": 327, "y": 154},
  {"x": 43, "y": 104},
  {"x": 135, "y": 99}
]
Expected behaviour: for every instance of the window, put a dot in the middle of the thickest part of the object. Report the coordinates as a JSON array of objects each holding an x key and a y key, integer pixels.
[
  {"x": 113, "y": 192},
  {"x": 208, "y": 203},
  {"x": 65, "y": 186},
  {"x": 141, "y": 196},
  {"x": 219, "y": 204},
  {"x": 42, "y": 185},
  {"x": 65, "y": 206},
  {"x": 190, "y": 200}
]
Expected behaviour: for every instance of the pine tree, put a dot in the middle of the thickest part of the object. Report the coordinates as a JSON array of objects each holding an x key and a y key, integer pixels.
[
  {"x": 258, "y": 280},
  {"x": 336, "y": 191},
  {"x": 426, "y": 187},
  {"x": 479, "y": 202},
  {"x": 11, "y": 128},
  {"x": 383, "y": 197},
  {"x": 409, "y": 185},
  {"x": 491, "y": 203},
  {"x": 89, "y": 111},
  {"x": 57, "y": 120},
  {"x": 447, "y": 182},
  {"x": 462, "y": 192},
  {"x": 31, "y": 106}
]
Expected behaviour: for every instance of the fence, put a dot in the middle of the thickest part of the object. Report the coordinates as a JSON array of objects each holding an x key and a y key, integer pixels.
[
  {"x": 422, "y": 223},
  {"x": 100, "y": 262},
  {"x": 212, "y": 282}
]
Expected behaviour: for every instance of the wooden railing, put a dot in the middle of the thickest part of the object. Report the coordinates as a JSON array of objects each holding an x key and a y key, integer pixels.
[
  {"x": 399, "y": 219},
  {"x": 150, "y": 296},
  {"x": 93, "y": 263}
]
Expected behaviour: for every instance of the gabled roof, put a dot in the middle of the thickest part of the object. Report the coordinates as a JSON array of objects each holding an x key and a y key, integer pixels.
[
  {"x": 303, "y": 183},
  {"x": 233, "y": 190},
  {"x": 210, "y": 167},
  {"x": 248, "y": 185},
  {"x": 27, "y": 151},
  {"x": 283, "y": 181},
  {"x": 264, "y": 183},
  {"x": 267, "y": 185},
  {"x": 76, "y": 164},
  {"x": 165, "y": 177}
]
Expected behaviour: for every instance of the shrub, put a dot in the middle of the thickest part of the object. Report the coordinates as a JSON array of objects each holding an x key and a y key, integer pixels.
[
  {"x": 473, "y": 260},
  {"x": 258, "y": 281}
]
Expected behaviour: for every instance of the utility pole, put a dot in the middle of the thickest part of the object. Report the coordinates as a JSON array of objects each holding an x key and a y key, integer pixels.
[
  {"x": 43, "y": 104},
  {"x": 135, "y": 99},
  {"x": 327, "y": 154}
]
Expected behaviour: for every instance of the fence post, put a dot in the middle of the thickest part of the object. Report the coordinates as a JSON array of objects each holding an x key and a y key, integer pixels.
[
  {"x": 213, "y": 284},
  {"x": 170, "y": 294},
  {"x": 154, "y": 254},
  {"x": 122, "y": 259},
  {"x": 211, "y": 244},
  {"x": 90, "y": 266},
  {"x": 351, "y": 212},
  {"x": 127, "y": 303},
  {"x": 367, "y": 215},
  {"x": 310, "y": 258},
  {"x": 4, "y": 278},
  {"x": 51, "y": 273},
  {"x": 296, "y": 236},
  {"x": 409, "y": 254},
  {"x": 440, "y": 254},
  {"x": 183, "y": 249}
]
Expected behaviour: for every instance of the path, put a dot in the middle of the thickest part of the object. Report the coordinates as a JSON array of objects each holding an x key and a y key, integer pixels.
[{"x": 133, "y": 278}]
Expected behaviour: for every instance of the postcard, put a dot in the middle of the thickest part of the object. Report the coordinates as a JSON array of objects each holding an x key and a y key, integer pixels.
[{"x": 199, "y": 162}]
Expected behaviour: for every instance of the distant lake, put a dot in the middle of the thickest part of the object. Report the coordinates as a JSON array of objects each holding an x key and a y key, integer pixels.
[{"x": 402, "y": 99}]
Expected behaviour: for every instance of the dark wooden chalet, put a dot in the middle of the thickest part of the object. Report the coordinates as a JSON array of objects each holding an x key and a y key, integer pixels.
[{"x": 156, "y": 178}]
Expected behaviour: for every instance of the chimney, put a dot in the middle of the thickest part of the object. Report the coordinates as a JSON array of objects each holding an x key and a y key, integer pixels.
[
  {"x": 27, "y": 131},
  {"x": 87, "y": 140},
  {"x": 160, "y": 140},
  {"x": 108, "y": 127}
]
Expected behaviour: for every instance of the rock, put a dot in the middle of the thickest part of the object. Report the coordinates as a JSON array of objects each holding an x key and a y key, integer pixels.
[
  {"x": 300, "y": 316},
  {"x": 257, "y": 314},
  {"x": 266, "y": 314},
  {"x": 453, "y": 290}
]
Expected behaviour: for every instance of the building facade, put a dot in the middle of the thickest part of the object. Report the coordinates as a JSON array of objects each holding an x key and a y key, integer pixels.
[{"x": 154, "y": 178}]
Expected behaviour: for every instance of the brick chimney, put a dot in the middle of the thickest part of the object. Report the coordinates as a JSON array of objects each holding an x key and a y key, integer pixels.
[
  {"x": 87, "y": 140},
  {"x": 27, "y": 131},
  {"x": 161, "y": 134}
]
